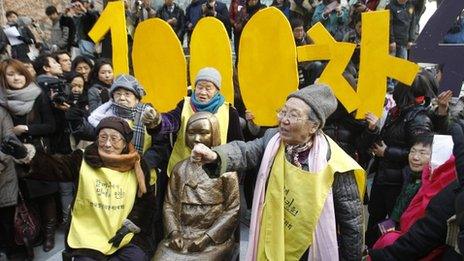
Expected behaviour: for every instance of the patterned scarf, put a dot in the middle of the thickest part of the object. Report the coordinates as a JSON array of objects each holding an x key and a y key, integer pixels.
[
  {"x": 134, "y": 114},
  {"x": 297, "y": 154},
  {"x": 211, "y": 106}
]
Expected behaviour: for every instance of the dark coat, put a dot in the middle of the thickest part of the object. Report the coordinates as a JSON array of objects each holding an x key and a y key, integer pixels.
[
  {"x": 165, "y": 14},
  {"x": 348, "y": 132},
  {"x": 41, "y": 124},
  {"x": 67, "y": 168},
  {"x": 398, "y": 133},
  {"x": 193, "y": 14},
  {"x": 8, "y": 178},
  {"x": 222, "y": 14},
  {"x": 402, "y": 22},
  {"x": 20, "y": 51}
]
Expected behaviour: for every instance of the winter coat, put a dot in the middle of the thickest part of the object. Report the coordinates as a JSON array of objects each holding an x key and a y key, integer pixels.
[
  {"x": 66, "y": 168},
  {"x": 222, "y": 14},
  {"x": 20, "y": 51},
  {"x": 332, "y": 22},
  {"x": 97, "y": 95},
  {"x": 59, "y": 141},
  {"x": 8, "y": 179},
  {"x": 402, "y": 22},
  {"x": 398, "y": 133},
  {"x": 165, "y": 14},
  {"x": 193, "y": 14},
  {"x": 84, "y": 23},
  {"x": 426, "y": 234},
  {"x": 41, "y": 124},
  {"x": 63, "y": 33},
  {"x": 239, "y": 156},
  {"x": 3, "y": 42}
]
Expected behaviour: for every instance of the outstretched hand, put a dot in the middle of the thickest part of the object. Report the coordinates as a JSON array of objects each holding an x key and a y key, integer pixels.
[{"x": 202, "y": 154}]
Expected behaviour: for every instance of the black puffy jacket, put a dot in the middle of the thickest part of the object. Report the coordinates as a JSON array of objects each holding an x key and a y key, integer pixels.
[{"x": 398, "y": 133}]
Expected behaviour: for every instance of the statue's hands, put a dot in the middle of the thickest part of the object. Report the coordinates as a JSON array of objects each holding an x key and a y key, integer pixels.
[
  {"x": 202, "y": 154},
  {"x": 200, "y": 244},
  {"x": 176, "y": 242}
]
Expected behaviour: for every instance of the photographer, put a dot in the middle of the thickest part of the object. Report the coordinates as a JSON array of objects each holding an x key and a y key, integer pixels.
[
  {"x": 48, "y": 71},
  {"x": 174, "y": 16},
  {"x": 84, "y": 19}
]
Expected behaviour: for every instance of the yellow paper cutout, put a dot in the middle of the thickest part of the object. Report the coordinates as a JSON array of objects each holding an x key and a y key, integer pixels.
[
  {"x": 210, "y": 47},
  {"x": 376, "y": 64},
  {"x": 113, "y": 19},
  {"x": 267, "y": 69},
  {"x": 159, "y": 64},
  {"x": 339, "y": 55}
]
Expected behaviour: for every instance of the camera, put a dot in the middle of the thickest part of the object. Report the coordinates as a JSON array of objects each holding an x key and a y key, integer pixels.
[{"x": 57, "y": 88}]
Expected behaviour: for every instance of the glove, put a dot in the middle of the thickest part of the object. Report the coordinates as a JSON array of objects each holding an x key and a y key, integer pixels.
[
  {"x": 126, "y": 228},
  {"x": 75, "y": 113},
  {"x": 13, "y": 147},
  {"x": 120, "y": 234},
  {"x": 104, "y": 95}
]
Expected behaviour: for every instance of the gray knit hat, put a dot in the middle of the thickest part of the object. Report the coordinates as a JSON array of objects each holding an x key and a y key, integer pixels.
[
  {"x": 209, "y": 74},
  {"x": 320, "y": 99},
  {"x": 129, "y": 83}
]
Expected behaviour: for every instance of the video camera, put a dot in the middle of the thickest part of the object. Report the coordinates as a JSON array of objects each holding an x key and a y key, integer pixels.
[{"x": 57, "y": 88}]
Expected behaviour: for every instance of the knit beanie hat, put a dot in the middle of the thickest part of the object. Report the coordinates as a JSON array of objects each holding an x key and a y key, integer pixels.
[
  {"x": 319, "y": 98},
  {"x": 129, "y": 83},
  {"x": 209, "y": 74},
  {"x": 118, "y": 124}
]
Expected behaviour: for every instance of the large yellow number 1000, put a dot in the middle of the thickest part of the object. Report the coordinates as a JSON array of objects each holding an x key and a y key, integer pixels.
[{"x": 267, "y": 69}]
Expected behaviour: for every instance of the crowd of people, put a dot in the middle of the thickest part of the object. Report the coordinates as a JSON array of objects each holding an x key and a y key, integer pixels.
[{"x": 82, "y": 149}]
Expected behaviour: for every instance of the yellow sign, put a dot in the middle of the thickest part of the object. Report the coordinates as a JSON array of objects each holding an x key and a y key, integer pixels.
[
  {"x": 339, "y": 55},
  {"x": 159, "y": 64},
  {"x": 376, "y": 64},
  {"x": 210, "y": 47},
  {"x": 267, "y": 67},
  {"x": 113, "y": 19},
  {"x": 268, "y": 58}
]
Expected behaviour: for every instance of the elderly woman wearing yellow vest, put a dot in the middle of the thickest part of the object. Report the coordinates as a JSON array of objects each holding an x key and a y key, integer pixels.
[
  {"x": 206, "y": 97},
  {"x": 307, "y": 201},
  {"x": 113, "y": 209}
]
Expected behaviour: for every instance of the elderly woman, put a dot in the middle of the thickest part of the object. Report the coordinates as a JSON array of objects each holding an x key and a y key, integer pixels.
[
  {"x": 125, "y": 102},
  {"x": 113, "y": 207},
  {"x": 200, "y": 213},
  {"x": 308, "y": 189},
  {"x": 206, "y": 97}
]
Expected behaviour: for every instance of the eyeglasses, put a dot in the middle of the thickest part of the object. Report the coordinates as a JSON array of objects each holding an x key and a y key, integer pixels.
[
  {"x": 292, "y": 116},
  {"x": 113, "y": 138},
  {"x": 125, "y": 94}
]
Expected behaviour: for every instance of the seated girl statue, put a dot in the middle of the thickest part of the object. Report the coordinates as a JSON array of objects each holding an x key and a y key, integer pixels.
[{"x": 200, "y": 213}]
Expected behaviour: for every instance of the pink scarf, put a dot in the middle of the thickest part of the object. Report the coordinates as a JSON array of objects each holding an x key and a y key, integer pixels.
[{"x": 325, "y": 245}]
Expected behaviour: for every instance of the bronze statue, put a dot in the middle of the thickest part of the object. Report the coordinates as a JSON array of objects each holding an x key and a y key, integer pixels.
[{"x": 200, "y": 213}]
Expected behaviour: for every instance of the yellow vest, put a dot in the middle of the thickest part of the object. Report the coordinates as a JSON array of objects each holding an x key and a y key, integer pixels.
[
  {"x": 294, "y": 201},
  {"x": 180, "y": 150},
  {"x": 103, "y": 201}
]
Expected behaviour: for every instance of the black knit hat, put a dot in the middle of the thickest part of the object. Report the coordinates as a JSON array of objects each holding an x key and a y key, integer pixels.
[{"x": 118, "y": 124}]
